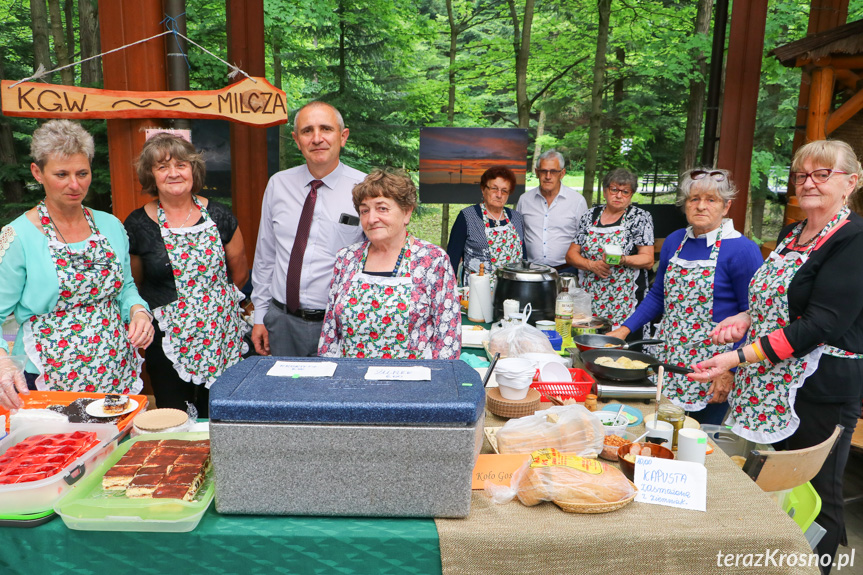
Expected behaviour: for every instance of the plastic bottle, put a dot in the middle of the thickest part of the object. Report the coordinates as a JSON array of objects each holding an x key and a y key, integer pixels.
[{"x": 563, "y": 307}]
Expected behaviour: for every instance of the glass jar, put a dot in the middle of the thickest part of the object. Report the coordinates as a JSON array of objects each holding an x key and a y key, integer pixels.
[{"x": 674, "y": 415}]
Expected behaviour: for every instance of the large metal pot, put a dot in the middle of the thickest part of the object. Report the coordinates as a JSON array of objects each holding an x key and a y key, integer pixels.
[{"x": 526, "y": 282}]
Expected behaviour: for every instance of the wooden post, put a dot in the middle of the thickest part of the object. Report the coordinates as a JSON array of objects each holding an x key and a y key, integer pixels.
[
  {"x": 248, "y": 145},
  {"x": 141, "y": 67},
  {"x": 742, "y": 79},
  {"x": 820, "y": 103}
]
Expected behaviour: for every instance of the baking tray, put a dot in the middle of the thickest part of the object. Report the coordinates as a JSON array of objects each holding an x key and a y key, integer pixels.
[
  {"x": 42, "y": 399},
  {"x": 90, "y": 508}
]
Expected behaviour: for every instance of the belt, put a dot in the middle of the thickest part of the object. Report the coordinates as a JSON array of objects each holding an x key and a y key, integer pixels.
[{"x": 306, "y": 314}]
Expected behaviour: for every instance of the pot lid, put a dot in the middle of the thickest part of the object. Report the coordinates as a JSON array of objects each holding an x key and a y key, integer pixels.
[{"x": 527, "y": 271}]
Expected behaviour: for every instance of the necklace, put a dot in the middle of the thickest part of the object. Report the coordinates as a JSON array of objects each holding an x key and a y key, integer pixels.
[
  {"x": 189, "y": 215},
  {"x": 399, "y": 261},
  {"x": 502, "y": 217}
]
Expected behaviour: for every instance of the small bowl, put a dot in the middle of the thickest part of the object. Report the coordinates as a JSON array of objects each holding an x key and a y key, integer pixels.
[
  {"x": 553, "y": 371},
  {"x": 609, "y": 452},
  {"x": 612, "y": 424},
  {"x": 628, "y": 467}
]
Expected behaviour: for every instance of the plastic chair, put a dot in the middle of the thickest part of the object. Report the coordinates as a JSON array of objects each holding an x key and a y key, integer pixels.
[
  {"x": 803, "y": 505},
  {"x": 783, "y": 470}
]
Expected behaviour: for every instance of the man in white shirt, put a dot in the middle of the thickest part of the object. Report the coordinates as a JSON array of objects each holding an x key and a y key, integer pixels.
[
  {"x": 551, "y": 213},
  {"x": 291, "y": 285}
]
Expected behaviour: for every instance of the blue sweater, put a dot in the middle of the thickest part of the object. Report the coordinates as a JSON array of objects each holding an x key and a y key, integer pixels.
[{"x": 738, "y": 259}]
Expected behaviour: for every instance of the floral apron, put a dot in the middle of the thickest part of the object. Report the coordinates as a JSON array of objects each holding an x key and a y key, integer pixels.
[
  {"x": 686, "y": 324},
  {"x": 376, "y": 318},
  {"x": 614, "y": 296},
  {"x": 203, "y": 327},
  {"x": 81, "y": 345},
  {"x": 504, "y": 245},
  {"x": 762, "y": 400}
]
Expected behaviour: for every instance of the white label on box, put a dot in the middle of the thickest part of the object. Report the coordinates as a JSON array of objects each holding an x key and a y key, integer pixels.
[
  {"x": 672, "y": 483},
  {"x": 303, "y": 369},
  {"x": 414, "y": 373}
]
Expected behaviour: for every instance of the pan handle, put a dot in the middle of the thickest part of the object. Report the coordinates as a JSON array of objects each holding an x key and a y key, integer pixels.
[
  {"x": 642, "y": 342},
  {"x": 674, "y": 368}
]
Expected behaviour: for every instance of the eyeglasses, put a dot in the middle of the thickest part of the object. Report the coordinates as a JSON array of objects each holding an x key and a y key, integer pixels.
[
  {"x": 819, "y": 176},
  {"x": 624, "y": 193},
  {"x": 701, "y": 174},
  {"x": 548, "y": 172},
  {"x": 496, "y": 190}
]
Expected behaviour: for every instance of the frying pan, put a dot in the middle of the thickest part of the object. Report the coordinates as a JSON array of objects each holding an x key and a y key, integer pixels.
[
  {"x": 623, "y": 374},
  {"x": 588, "y": 342}
]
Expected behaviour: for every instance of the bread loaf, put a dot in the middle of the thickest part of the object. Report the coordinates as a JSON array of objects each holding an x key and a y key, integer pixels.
[
  {"x": 567, "y": 428},
  {"x": 550, "y": 476}
]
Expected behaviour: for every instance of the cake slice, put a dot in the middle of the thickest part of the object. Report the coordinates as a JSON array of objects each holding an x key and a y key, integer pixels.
[
  {"x": 115, "y": 403},
  {"x": 118, "y": 477}
]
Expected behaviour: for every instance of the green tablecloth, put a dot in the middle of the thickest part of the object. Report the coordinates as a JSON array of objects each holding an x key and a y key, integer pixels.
[{"x": 229, "y": 544}]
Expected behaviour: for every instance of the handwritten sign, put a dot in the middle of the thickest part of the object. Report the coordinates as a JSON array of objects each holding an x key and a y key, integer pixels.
[
  {"x": 671, "y": 483},
  {"x": 254, "y": 102},
  {"x": 303, "y": 369},
  {"x": 386, "y": 373},
  {"x": 496, "y": 468}
]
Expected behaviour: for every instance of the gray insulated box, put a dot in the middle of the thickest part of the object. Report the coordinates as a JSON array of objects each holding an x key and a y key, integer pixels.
[{"x": 346, "y": 445}]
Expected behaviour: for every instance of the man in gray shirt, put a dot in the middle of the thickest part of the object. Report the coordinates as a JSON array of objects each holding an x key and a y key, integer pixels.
[{"x": 307, "y": 216}]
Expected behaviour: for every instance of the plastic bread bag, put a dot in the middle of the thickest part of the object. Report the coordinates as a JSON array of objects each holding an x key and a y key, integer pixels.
[
  {"x": 563, "y": 478},
  {"x": 567, "y": 428},
  {"x": 515, "y": 340},
  {"x": 12, "y": 379},
  {"x": 581, "y": 304}
]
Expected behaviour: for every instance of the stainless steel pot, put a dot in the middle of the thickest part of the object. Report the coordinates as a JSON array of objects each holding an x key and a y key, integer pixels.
[{"x": 526, "y": 282}]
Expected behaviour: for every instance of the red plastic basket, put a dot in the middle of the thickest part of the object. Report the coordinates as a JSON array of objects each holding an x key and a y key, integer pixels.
[{"x": 576, "y": 389}]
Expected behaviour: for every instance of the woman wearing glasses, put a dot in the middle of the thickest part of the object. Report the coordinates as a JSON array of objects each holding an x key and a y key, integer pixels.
[
  {"x": 616, "y": 289},
  {"x": 188, "y": 260},
  {"x": 67, "y": 278},
  {"x": 802, "y": 370},
  {"x": 488, "y": 233},
  {"x": 702, "y": 279}
]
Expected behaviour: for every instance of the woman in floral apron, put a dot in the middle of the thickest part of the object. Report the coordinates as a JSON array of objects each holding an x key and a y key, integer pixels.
[
  {"x": 394, "y": 295},
  {"x": 802, "y": 371},
  {"x": 488, "y": 233},
  {"x": 188, "y": 259},
  {"x": 702, "y": 278},
  {"x": 66, "y": 276},
  {"x": 616, "y": 289}
]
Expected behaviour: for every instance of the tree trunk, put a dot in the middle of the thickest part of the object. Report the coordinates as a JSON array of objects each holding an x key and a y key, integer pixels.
[
  {"x": 596, "y": 99},
  {"x": 39, "y": 22},
  {"x": 617, "y": 96},
  {"x": 88, "y": 34},
  {"x": 69, "y": 21},
  {"x": 67, "y": 76},
  {"x": 521, "y": 47},
  {"x": 342, "y": 70},
  {"x": 450, "y": 111},
  {"x": 277, "y": 81},
  {"x": 540, "y": 130},
  {"x": 13, "y": 190},
  {"x": 758, "y": 195},
  {"x": 695, "y": 108}
]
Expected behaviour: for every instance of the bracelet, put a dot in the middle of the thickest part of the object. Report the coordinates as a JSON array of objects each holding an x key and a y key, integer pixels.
[
  {"x": 759, "y": 353},
  {"x": 741, "y": 356},
  {"x": 144, "y": 310}
]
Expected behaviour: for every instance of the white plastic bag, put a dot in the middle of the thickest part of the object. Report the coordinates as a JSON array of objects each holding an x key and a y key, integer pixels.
[
  {"x": 515, "y": 340},
  {"x": 567, "y": 428}
]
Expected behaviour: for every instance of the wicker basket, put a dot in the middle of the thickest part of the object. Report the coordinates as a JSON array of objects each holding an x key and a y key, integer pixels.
[
  {"x": 596, "y": 507},
  {"x": 501, "y": 407}
]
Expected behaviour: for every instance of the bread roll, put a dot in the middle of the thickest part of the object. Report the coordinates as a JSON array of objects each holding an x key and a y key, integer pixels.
[{"x": 568, "y": 428}]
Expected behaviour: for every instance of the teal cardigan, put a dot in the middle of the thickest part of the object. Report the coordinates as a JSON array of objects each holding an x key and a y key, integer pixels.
[{"x": 29, "y": 283}]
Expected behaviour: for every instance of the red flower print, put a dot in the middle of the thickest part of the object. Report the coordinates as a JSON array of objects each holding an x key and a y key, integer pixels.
[
  {"x": 66, "y": 293},
  {"x": 364, "y": 286},
  {"x": 361, "y": 316},
  {"x": 89, "y": 308},
  {"x": 212, "y": 238},
  {"x": 46, "y": 220},
  {"x": 781, "y": 322},
  {"x": 197, "y": 357},
  {"x": 190, "y": 283},
  {"x": 781, "y": 290},
  {"x": 388, "y": 291},
  {"x": 374, "y": 335},
  {"x": 780, "y": 408},
  {"x": 705, "y": 273},
  {"x": 112, "y": 352},
  {"x": 762, "y": 417},
  {"x": 38, "y": 347},
  {"x": 208, "y": 251},
  {"x": 212, "y": 369},
  {"x": 62, "y": 343},
  {"x": 376, "y": 304},
  {"x": 176, "y": 330},
  {"x": 207, "y": 341},
  {"x": 199, "y": 324},
  {"x": 79, "y": 277},
  {"x": 402, "y": 306},
  {"x": 679, "y": 391},
  {"x": 387, "y": 356},
  {"x": 350, "y": 331},
  {"x": 90, "y": 388},
  {"x": 96, "y": 339},
  {"x": 400, "y": 337},
  {"x": 770, "y": 387},
  {"x": 72, "y": 375},
  {"x": 184, "y": 349},
  {"x": 220, "y": 309},
  {"x": 184, "y": 256},
  {"x": 702, "y": 393},
  {"x": 738, "y": 409},
  {"x": 205, "y": 299},
  {"x": 352, "y": 301},
  {"x": 702, "y": 299},
  {"x": 177, "y": 273},
  {"x": 680, "y": 297},
  {"x": 412, "y": 356},
  {"x": 118, "y": 284},
  {"x": 692, "y": 284},
  {"x": 360, "y": 354},
  {"x": 753, "y": 400},
  {"x": 102, "y": 369},
  {"x": 62, "y": 263}
]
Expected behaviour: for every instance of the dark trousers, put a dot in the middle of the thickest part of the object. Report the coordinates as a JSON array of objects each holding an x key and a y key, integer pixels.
[
  {"x": 713, "y": 414},
  {"x": 817, "y": 422},
  {"x": 168, "y": 387}
]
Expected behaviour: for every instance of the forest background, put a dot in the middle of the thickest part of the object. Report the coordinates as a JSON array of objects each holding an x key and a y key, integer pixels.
[{"x": 606, "y": 82}]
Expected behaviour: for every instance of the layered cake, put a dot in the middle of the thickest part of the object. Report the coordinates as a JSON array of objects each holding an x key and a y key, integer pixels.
[{"x": 167, "y": 468}]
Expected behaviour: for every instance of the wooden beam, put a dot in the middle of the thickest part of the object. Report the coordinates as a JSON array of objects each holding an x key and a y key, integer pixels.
[
  {"x": 847, "y": 62},
  {"x": 245, "y": 19},
  {"x": 844, "y": 112},
  {"x": 140, "y": 67},
  {"x": 820, "y": 102},
  {"x": 742, "y": 78}
]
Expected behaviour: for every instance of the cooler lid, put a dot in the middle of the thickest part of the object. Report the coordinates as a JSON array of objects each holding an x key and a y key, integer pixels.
[{"x": 245, "y": 393}]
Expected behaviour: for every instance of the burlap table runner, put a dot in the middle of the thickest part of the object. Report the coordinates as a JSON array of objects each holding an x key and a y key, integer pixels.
[{"x": 740, "y": 519}]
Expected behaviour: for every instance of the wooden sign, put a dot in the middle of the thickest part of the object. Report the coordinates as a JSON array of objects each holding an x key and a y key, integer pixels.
[{"x": 257, "y": 103}]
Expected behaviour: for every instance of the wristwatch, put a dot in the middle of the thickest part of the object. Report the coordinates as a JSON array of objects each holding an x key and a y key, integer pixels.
[{"x": 742, "y": 357}]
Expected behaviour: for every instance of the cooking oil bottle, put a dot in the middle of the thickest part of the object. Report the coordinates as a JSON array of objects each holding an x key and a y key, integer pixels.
[{"x": 563, "y": 312}]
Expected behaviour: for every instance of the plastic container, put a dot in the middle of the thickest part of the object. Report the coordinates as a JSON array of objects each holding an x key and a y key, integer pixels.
[
  {"x": 554, "y": 339},
  {"x": 728, "y": 441},
  {"x": 576, "y": 389},
  {"x": 38, "y": 496},
  {"x": 514, "y": 376},
  {"x": 613, "y": 424},
  {"x": 89, "y": 508},
  {"x": 42, "y": 399},
  {"x": 609, "y": 452}
]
